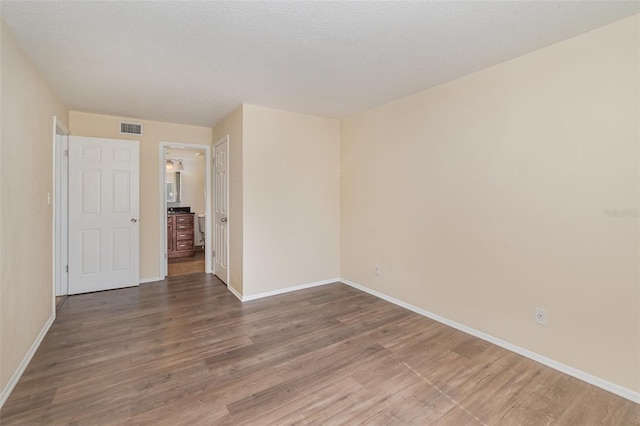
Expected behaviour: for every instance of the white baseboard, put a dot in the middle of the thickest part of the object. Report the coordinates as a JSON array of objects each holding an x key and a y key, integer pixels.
[
  {"x": 150, "y": 280},
  {"x": 289, "y": 289},
  {"x": 234, "y": 292},
  {"x": 25, "y": 361},
  {"x": 574, "y": 372}
]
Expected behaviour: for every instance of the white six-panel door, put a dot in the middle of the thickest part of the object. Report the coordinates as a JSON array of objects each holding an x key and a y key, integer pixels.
[
  {"x": 221, "y": 201},
  {"x": 103, "y": 214}
]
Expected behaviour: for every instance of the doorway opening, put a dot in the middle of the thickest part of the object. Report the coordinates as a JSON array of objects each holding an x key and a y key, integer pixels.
[{"x": 185, "y": 210}]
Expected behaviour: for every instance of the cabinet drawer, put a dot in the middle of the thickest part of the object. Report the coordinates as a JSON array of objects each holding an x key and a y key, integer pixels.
[
  {"x": 184, "y": 245},
  {"x": 184, "y": 235},
  {"x": 184, "y": 219}
]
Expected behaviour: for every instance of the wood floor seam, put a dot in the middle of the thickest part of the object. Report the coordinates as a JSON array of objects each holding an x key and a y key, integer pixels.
[{"x": 444, "y": 394}]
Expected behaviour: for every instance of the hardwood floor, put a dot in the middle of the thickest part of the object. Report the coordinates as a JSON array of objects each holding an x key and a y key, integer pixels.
[
  {"x": 186, "y": 265},
  {"x": 186, "y": 351},
  {"x": 59, "y": 301}
]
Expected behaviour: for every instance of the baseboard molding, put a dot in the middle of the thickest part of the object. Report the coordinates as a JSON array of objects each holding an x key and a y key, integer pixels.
[
  {"x": 150, "y": 280},
  {"x": 234, "y": 292},
  {"x": 25, "y": 361},
  {"x": 563, "y": 368},
  {"x": 289, "y": 289}
]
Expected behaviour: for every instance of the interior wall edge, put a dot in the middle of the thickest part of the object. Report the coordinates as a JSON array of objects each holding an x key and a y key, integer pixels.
[
  {"x": 235, "y": 292},
  {"x": 289, "y": 289}
]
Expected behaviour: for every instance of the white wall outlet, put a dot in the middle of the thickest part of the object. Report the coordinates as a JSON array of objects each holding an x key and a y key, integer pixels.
[
  {"x": 376, "y": 269},
  {"x": 540, "y": 316}
]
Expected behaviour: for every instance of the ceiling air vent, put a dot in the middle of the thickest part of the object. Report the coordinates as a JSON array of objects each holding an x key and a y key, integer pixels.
[{"x": 130, "y": 128}]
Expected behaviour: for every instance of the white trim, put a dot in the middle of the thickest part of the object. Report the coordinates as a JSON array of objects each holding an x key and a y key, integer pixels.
[
  {"x": 289, "y": 289},
  {"x": 13, "y": 381},
  {"x": 57, "y": 219},
  {"x": 208, "y": 211},
  {"x": 563, "y": 368},
  {"x": 60, "y": 125},
  {"x": 212, "y": 218},
  {"x": 234, "y": 292},
  {"x": 54, "y": 223},
  {"x": 162, "y": 176},
  {"x": 150, "y": 280},
  {"x": 60, "y": 214},
  {"x": 162, "y": 207}
]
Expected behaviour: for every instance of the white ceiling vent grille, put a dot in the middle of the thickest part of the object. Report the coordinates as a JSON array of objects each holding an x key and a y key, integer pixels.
[{"x": 130, "y": 128}]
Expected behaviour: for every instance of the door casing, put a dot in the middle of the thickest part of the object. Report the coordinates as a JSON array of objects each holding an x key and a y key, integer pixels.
[
  {"x": 60, "y": 209},
  {"x": 162, "y": 207}
]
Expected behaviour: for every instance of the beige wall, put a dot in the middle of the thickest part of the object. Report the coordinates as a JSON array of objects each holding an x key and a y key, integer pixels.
[
  {"x": 291, "y": 192},
  {"x": 232, "y": 125},
  {"x": 487, "y": 196},
  {"x": 194, "y": 191},
  {"x": 154, "y": 132},
  {"x": 26, "y": 169}
]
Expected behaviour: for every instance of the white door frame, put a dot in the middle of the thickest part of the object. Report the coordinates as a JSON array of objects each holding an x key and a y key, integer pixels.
[
  {"x": 215, "y": 144},
  {"x": 162, "y": 205},
  {"x": 60, "y": 207}
]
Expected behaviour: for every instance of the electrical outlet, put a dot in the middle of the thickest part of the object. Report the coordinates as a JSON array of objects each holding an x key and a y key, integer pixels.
[
  {"x": 376, "y": 269},
  {"x": 540, "y": 316}
]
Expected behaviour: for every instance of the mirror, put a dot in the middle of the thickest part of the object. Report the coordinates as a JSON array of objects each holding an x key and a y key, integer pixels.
[{"x": 173, "y": 187}]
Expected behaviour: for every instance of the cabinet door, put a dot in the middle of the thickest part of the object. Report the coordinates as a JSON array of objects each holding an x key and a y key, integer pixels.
[{"x": 170, "y": 236}]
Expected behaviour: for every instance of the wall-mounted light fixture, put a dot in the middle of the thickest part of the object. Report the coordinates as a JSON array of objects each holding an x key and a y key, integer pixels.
[{"x": 174, "y": 164}]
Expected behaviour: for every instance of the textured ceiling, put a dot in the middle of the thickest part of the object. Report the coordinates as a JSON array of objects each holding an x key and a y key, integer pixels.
[{"x": 194, "y": 62}]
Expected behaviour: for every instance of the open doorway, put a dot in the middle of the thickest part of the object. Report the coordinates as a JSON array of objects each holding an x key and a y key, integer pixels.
[{"x": 185, "y": 202}]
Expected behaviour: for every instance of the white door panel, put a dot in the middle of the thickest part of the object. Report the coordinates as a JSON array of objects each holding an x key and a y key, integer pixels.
[
  {"x": 103, "y": 214},
  {"x": 61, "y": 206},
  {"x": 221, "y": 216}
]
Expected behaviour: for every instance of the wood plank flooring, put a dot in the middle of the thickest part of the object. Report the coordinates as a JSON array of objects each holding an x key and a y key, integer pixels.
[
  {"x": 186, "y": 351},
  {"x": 186, "y": 265},
  {"x": 59, "y": 301}
]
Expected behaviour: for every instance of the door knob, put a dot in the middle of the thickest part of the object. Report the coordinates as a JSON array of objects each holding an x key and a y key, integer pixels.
[
  {"x": 223, "y": 220},
  {"x": 134, "y": 219}
]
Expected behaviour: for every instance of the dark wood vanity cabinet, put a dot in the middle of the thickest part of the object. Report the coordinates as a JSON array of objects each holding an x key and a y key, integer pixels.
[{"x": 180, "y": 235}]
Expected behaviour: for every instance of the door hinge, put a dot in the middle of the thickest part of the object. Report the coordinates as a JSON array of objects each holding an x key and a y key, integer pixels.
[
  {"x": 213, "y": 254},
  {"x": 66, "y": 268},
  {"x": 66, "y": 152}
]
